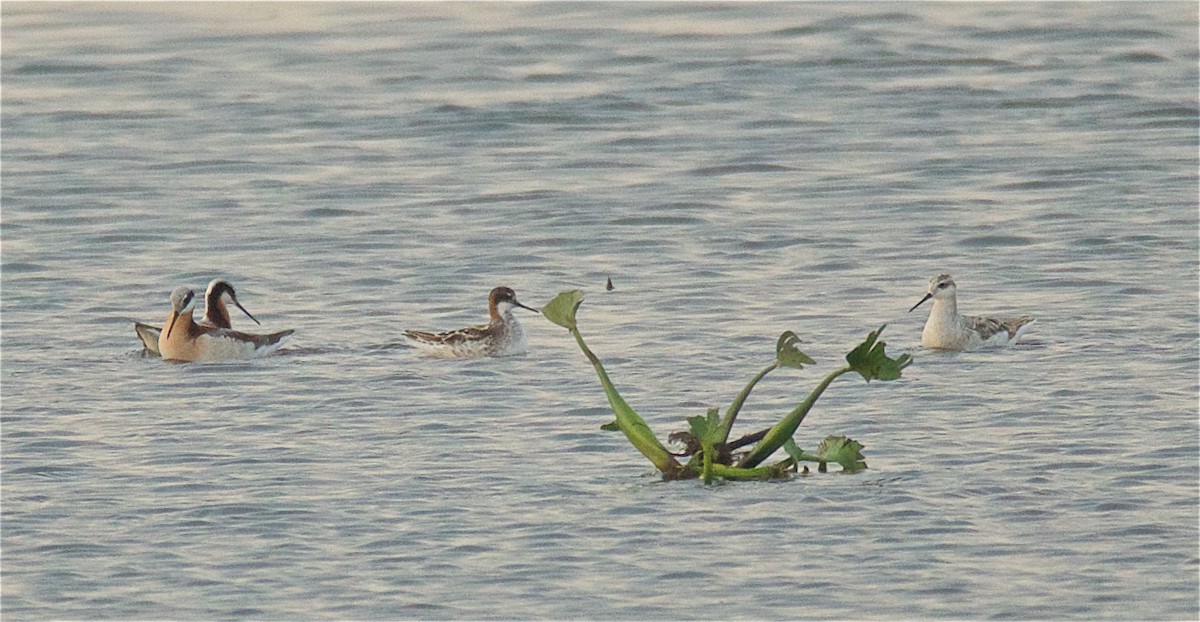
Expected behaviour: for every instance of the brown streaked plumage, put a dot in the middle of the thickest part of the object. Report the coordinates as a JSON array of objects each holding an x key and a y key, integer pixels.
[
  {"x": 988, "y": 327},
  {"x": 502, "y": 336}
]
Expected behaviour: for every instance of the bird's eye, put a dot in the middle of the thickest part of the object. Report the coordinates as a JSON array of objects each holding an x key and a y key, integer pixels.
[{"x": 942, "y": 285}]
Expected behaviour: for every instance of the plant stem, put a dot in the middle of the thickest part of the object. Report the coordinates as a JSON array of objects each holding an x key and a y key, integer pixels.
[
  {"x": 747, "y": 439},
  {"x": 707, "y": 472},
  {"x": 775, "y": 471},
  {"x": 782, "y": 431},
  {"x": 630, "y": 423},
  {"x": 732, "y": 413}
]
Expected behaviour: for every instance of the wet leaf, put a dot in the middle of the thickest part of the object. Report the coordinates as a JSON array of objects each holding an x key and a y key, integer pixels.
[
  {"x": 788, "y": 355},
  {"x": 870, "y": 360},
  {"x": 562, "y": 309},
  {"x": 844, "y": 451}
]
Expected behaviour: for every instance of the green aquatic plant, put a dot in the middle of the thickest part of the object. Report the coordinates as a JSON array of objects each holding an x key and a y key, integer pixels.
[
  {"x": 707, "y": 440},
  {"x": 561, "y": 311}
]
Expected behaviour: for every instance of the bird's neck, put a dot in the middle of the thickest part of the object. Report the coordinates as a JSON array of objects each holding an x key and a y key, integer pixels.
[
  {"x": 217, "y": 313},
  {"x": 946, "y": 310}
]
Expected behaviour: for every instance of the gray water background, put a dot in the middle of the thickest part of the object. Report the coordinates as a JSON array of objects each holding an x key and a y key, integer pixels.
[{"x": 737, "y": 169}]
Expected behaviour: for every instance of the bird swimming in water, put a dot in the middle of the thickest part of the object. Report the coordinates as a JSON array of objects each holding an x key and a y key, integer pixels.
[
  {"x": 947, "y": 330},
  {"x": 216, "y": 313},
  {"x": 182, "y": 339},
  {"x": 502, "y": 336}
]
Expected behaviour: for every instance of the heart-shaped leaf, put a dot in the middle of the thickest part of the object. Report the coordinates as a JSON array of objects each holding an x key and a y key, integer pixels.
[{"x": 562, "y": 309}]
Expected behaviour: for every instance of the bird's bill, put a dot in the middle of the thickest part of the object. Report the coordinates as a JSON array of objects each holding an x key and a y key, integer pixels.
[
  {"x": 171, "y": 324},
  {"x": 525, "y": 307},
  {"x": 239, "y": 305},
  {"x": 927, "y": 297}
]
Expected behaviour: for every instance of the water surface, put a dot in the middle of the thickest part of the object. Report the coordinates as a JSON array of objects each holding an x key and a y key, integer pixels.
[{"x": 736, "y": 169}]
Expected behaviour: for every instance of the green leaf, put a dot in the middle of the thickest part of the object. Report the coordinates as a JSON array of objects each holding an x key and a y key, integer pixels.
[
  {"x": 707, "y": 429},
  {"x": 611, "y": 426},
  {"x": 844, "y": 451},
  {"x": 788, "y": 355},
  {"x": 870, "y": 360},
  {"x": 562, "y": 309}
]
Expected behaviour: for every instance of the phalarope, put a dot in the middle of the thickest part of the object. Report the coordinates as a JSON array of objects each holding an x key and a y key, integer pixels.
[
  {"x": 216, "y": 314},
  {"x": 502, "y": 336},
  {"x": 184, "y": 340},
  {"x": 947, "y": 330}
]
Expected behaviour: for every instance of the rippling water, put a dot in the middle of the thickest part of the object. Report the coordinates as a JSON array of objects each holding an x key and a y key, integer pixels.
[{"x": 738, "y": 170}]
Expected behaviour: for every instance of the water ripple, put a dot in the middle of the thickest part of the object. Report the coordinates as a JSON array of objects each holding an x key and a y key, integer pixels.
[{"x": 737, "y": 169}]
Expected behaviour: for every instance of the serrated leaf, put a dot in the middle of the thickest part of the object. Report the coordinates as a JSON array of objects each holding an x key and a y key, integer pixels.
[
  {"x": 871, "y": 361},
  {"x": 562, "y": 309},
  {"x": 844, "y": 451},
  {"x": 788, "y": 355}
]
